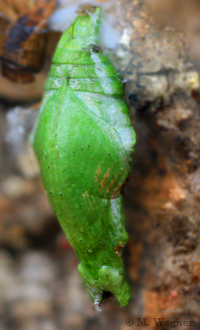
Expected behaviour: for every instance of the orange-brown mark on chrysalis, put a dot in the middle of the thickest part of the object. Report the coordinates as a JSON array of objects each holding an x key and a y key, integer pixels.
[
  {"x": 86, "y": 194},
  {"x": 105, "y": 177},
  {"x": 98, "y": 172},
  {"x": 111, "y": 184},
  {"x": 91, "y": 206},
  {"x": 116, "y": 192},
  {"x": 118, "y": 249}
]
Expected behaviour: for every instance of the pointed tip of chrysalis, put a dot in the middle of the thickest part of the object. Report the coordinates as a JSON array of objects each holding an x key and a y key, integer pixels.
[{"x": 82, "y": 33}]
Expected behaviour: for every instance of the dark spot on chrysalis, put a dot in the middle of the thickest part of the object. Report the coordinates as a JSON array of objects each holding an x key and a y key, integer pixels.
[{"x": 95, "y": 48}]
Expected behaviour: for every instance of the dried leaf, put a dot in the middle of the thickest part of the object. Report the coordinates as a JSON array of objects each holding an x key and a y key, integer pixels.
[
  {"x": 17, "y": 74},
  {"x": 23, "y": 44}
]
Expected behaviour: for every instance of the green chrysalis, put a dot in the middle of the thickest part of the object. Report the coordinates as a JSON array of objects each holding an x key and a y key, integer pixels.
[{"x": 83, "y": 142}]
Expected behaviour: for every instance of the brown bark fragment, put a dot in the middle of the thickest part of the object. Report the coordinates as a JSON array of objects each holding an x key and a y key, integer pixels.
[{"x": 164, "y": 190}]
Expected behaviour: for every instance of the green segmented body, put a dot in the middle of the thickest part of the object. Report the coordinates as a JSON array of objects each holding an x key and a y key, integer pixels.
[{"x": 83, "y": 142}]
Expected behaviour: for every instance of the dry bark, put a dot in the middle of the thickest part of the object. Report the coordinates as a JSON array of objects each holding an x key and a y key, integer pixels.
[{"x": 162, "y": 198}]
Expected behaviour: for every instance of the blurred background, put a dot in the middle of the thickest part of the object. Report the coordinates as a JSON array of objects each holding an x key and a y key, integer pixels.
[{"x": 155, "y": 45}]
